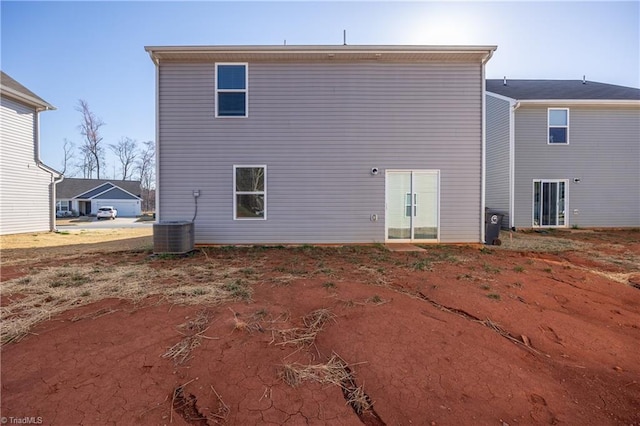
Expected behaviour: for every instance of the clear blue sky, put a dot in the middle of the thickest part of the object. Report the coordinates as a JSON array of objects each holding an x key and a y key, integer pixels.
[{"x": 65, "y": 51}]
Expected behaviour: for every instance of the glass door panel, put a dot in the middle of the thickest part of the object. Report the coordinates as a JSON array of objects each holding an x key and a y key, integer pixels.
[
  {"x": 425, "y": 221},
  {"x": 399, "y": 206},
  {"x": 412, "y": 205},
  {"x": 549, "y": 199}
]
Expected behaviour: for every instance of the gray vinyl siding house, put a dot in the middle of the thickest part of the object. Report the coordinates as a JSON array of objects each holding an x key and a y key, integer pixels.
[
  {"x": 27, "y": 185},
  {"x": 348, "y": 144},
  {"x": 590, "y": 177}
]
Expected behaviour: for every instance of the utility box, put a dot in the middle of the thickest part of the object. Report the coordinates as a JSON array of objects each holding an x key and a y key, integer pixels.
[
  {"x": 173, "y": 237},
  {"x": 492, "y": 225}
]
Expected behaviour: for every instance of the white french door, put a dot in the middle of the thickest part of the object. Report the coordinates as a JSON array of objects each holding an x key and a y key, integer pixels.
[
  {"x": 412, "y": 205},
  {"x": 549, "y": 202}
]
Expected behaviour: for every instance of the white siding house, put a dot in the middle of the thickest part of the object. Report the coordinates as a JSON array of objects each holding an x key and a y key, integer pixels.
[
  {"x": 563, "y": 153},
  {"x": 27, "y": 186},
  {"x": 322, "y": 144},
  {"x": 77, "y": 196}
]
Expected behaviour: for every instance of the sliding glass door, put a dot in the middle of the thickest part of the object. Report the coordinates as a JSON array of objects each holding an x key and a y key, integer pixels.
[
  {"x": 549, "y": 203},
  {"x": 412, "y": 205}
]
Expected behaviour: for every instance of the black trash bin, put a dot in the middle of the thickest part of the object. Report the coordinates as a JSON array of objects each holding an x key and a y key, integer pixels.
[{"x": 492, "y": 224}]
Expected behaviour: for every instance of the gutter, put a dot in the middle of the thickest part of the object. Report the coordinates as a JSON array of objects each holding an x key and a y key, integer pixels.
[
  {"x": 483, "y": 155},
  {"x": 38, "y": 104},
  {"x": 579, "y": 102},
  {"x": 56, "y": 176}
]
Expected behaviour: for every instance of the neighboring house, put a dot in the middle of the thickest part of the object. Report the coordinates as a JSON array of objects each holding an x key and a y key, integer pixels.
[
  {"x": 321, "y": 144},
  {"x": 86, "y": 196},
  {"x": 27, "y": 186},
  {"x": 563, "y": 153}
]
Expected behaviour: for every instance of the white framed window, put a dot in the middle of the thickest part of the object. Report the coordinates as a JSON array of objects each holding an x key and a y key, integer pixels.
[
  {"x": 232, "y": 81},
  {"x": 63, "y": 206},
  {"x": 250, "y": 192},
  {"x": 558, "y": 126}
]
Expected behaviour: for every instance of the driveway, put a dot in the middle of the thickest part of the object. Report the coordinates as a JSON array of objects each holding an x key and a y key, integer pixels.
[{"x": 93, "y": 223}]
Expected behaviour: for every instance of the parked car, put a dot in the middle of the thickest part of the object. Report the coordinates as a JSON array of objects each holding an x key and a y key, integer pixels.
[{"x": 107, "y": 212}]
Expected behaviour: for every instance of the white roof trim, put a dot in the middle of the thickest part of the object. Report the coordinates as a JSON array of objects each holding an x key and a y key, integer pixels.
[
  {"x": 113, "y": 186},
  {"x": 499, "y": 96},
  {"x": 320, "y": 52},
  {"x": 562, "y": 102},
  {"x": 569, "y": 102},
  {"x": 29, "y": 100}
]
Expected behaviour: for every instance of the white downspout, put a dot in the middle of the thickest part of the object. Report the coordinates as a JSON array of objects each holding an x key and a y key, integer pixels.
[
  {"x": 483, "y": 174},
  {"x": 512, "y": 161},
  {"x": 157, "y": 194},
  {"x": 55, "y": 177}
]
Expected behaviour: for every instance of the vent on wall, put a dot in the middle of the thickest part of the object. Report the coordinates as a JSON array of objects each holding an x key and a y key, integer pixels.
[{"x": 173, "y": 237}]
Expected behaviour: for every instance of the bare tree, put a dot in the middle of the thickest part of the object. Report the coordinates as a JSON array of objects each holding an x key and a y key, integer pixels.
[
  {"x": 86, "y": 164},
  {"x": 126, "y": 151},
  {"x": 91, "y": 147},
  {"x": 67, "y": 149},
  {"x": 145, "y": 167}
]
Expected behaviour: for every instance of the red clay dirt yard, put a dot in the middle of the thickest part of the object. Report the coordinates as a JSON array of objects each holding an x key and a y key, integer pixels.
[{"x": 542, "y": 330}]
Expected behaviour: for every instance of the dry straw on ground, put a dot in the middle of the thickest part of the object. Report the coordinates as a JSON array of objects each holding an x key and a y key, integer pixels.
[
  {"x": 305, "y": 336},
  {"x": 193, "y": 334},
  {"x": 53, "y": 290},
  {"x": 334, "y": 372}
]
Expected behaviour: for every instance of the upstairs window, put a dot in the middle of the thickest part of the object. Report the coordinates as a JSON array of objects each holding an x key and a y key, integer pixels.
[
  {"x": 231, "y": 90},
  {"x": 558, "y": 123},
  {"x": 250, "y": 192}
]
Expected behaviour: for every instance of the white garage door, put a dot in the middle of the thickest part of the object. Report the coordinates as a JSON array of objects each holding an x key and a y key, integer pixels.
[{"x": 126, "y": 208}]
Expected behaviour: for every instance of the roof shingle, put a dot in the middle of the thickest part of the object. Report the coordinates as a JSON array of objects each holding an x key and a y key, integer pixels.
[
  {"x": 72, "y": 187},
  {"x": 561, "y": 89}
]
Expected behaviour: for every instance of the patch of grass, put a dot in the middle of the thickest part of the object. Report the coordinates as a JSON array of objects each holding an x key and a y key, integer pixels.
[
  {"x": 549, "y": 270},
  {"x": 69, "y": 279},
  {"x": 486, "y": 250},
  {"x": 85, "y": 293},
  {"x": 167, "y": 256},
  {"x": 375, "y": 299},
  {"x": 464, "y": 277},
  {"x": 490, "y": 269},
  {"x": 485, "y": 287},
  {"x": 518, "y": 268},
  {"x": 493, "y": 296},
  {"x": 329, "y": 284},
  {"x": 199, "y": 291},
  {"x": 248, "y": 271},
  {"x": 239, "y": 289},
  {"x": 421, "y": 265}
]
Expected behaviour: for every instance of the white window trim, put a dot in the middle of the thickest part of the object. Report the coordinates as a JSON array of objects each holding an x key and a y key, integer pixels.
[
  {"x": 565, "y": 127},
  {"x": 245, "y": 90},
  {"x": 566, "y": 202},
  {"x": 236, "y": 193}
]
